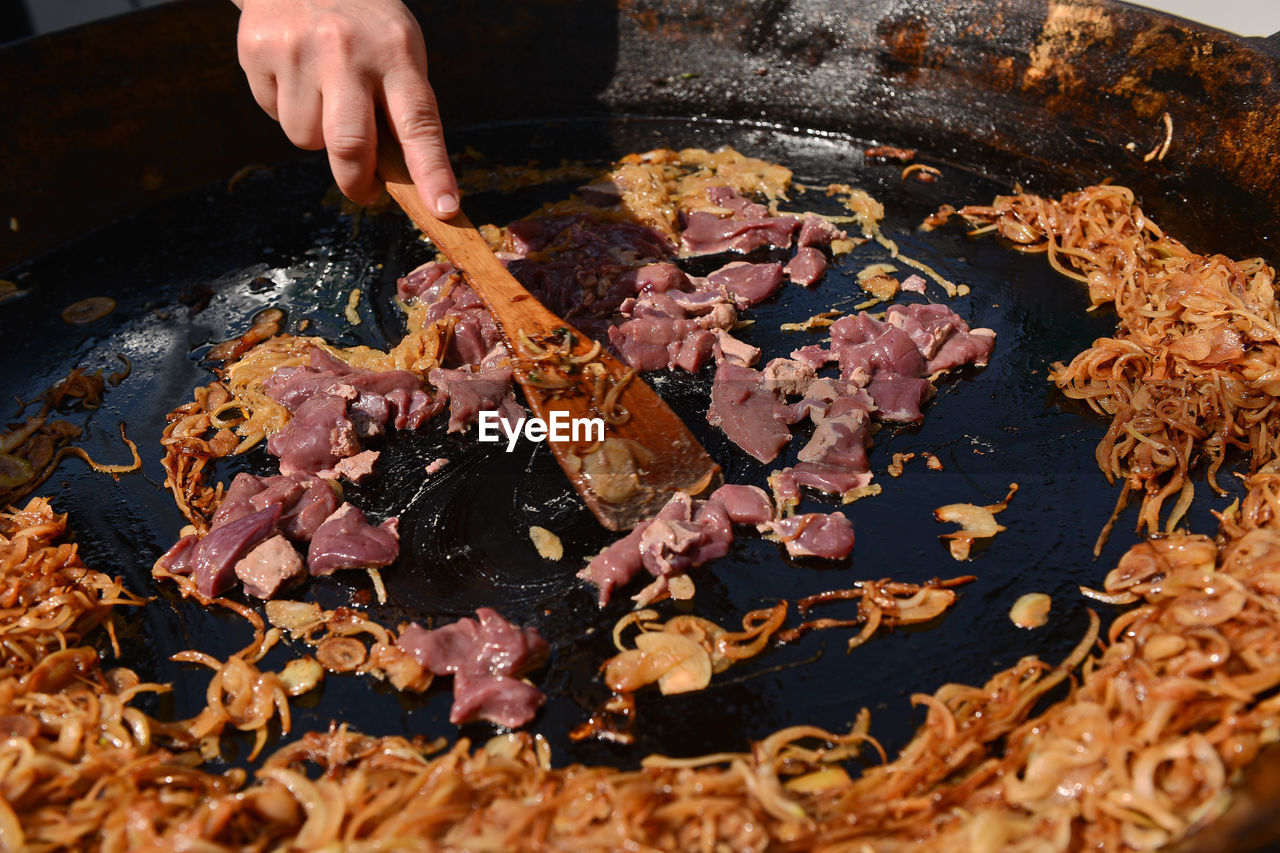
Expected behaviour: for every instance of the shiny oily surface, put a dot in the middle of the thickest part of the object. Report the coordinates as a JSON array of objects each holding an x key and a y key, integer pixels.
[{"x": 273, "y": 242}]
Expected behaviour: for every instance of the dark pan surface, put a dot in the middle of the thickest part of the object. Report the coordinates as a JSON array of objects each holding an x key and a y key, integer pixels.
[{"x": 272, "y": 242}]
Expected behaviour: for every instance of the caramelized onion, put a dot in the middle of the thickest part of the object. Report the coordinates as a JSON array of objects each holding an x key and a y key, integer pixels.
[
  {"x": 1030, "y": 610},
  {"x": 88, "y": 310}
]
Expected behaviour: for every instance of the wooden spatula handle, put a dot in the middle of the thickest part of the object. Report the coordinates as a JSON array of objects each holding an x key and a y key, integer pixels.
[{"x": 460, "y": 242}]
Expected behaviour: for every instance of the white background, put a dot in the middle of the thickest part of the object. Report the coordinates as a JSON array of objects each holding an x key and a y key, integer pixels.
[{"x": 1246, "y": 17}]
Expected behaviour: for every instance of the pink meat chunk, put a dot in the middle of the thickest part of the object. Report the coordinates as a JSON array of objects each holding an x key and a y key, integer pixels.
[
  {"x": 814, "y": 355},
  {"x": 899, "y": 398},
  {"x": 705, "y": 233},
  {"x": 249, "y": 494},
  {"x": 785, "y": 488},
  {"x": 474, "y": 330},
  {"x": 486, "y": 644},
  {"x": 913, "y": 284},
  {"x": 496, "y": 699},
  {"x": 928, "y": 325},
  {"x": 346, "y": 540},
  {"x": 280, "y": 490},
  {"x": 486, "y": 656},
  {"x": 751, "y": 415},
  {"x": 468, "y": 343},
  {"x": 663, "y": 545},
  {"x": 474, "y": 391},
  {"x": 375, "y": 397},
  {"x": 178, "y": 558},
  {"x": 735, "y": 203},
  {"x": 788, "y": 376},
  {"x": 840, "y": 439},
  {"x": 214, "y": 558},
  {"x": 963, "y": 348},
  {"x": 827, "y": 535},
  {"x": 253, "y": 509},
  {"x": 320, "y": 500},
  {"x": 823, "y": 392},
  {"x": 235, "y": 501},
  {"x": 816, "y": 231},
  {"x": 422, "y": 283},
  {"x": 728, "y": 348},
  {"x": 835, "y": 459},
  {"x": 889, "y": 351},
  {"x": 357, "y": 468},
  {"x": 744, "y": 504},
  {"x": 752, "y": 283},
  {"x": 913, "y": 342},
  {"x": 616, "y": 564},
  {"x": 652, "y": 278},
  {"x": 684, "y": 534},
  {"x": 806, "y": 266},
  {"x": 882, "y": 374},
  {"x": 269, "y": 567},
  {"x": 713, "y": 307},
  {"x": 655, "y": 304},
  {"x": 654, "y": 342},
  {"x": 316, "y": 437},
  {"x": 820, "y": 476}
]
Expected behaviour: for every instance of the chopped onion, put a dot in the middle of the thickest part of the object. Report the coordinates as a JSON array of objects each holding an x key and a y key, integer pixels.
[
  {"x": 1031, "y": 610},
  {"x": 88, "y": 310},
  {"x": 547, "y": 543},
  {"x": 301, "y": 675},
  {"x": 976, "y": 522},
  {"x": 341, "y": 654}
]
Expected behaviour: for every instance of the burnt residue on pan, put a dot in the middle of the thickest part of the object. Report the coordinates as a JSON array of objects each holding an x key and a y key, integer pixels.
[{"x": 1054, "y": 94}]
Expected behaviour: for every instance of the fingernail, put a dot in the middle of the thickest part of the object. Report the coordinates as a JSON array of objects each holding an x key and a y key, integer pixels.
[{"x": 447, "y": 204}]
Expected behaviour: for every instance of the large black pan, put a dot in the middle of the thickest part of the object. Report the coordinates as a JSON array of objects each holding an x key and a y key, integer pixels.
[{"x": 121, "y": 136}]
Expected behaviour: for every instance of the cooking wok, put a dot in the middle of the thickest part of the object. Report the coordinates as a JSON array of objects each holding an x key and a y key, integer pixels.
[{"x": 122, "y": 137}]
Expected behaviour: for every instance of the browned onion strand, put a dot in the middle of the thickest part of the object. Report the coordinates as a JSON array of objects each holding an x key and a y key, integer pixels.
[
  {"x": 881, "y": 603},
  {"x": 1168, "y": 707},
  {"x": 32, "y": 451},
  {"x": 1194, "y": 366}
]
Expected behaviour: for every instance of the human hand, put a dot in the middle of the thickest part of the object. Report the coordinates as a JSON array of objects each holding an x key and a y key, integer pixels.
[{"x": 324, "y": 69}]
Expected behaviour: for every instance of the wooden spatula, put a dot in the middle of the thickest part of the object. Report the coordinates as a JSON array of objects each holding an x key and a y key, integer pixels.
[{"x": 647, "y": 453}]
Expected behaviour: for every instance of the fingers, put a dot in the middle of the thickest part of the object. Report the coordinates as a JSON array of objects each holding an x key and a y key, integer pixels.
[
  {"x": 265, "y": 92},
  {"x": 255, "y": 59},
  {"x": 322, "y": 68},
  {"x": 350, "y": 136},
  {"x": 300, "y": 113},
  {"x": 415, "y": 120},
  {"x": 276, "y": 62}
]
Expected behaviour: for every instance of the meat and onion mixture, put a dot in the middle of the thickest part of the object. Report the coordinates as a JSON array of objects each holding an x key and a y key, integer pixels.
[
  {"x": 1127, "y": 744},
  {"x": 608, "y": 261}
]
